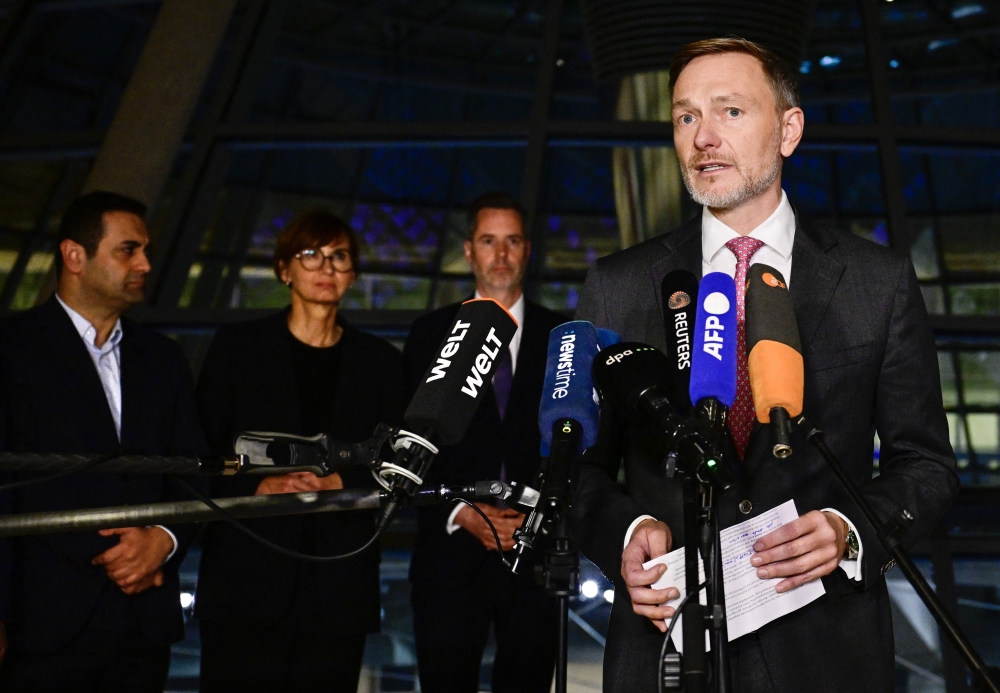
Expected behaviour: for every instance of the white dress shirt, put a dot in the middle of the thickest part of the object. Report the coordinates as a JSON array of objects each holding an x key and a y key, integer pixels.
[
  {"x": 778, "y": 235},
  {"x": 517, "y": 311},
  {"x": 107, "y": 361}
]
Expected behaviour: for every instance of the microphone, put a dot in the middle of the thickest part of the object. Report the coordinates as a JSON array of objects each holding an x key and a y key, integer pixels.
[
  {"x": 568, "y": 421},
  {"x": 680, "y": 298},
  {"x": 633, "y": 379},
  {"x": 447, "y": 398},
  {"x": 774, "y": 354},
  {"x": 713, "y": 361}
]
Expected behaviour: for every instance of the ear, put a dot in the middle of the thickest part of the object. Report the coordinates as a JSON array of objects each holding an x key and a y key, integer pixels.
[
  {"x": 74, "y": 256},
  {"x": 467, "y": 247},
  {"x": 793, "y": 123},
  {"x": 283, "y": 272}
]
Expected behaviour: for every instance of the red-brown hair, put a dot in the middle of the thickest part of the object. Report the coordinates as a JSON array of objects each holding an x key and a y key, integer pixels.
[
  {"x": 780, "y": 75},
  {"x": 313, "y": 229}
]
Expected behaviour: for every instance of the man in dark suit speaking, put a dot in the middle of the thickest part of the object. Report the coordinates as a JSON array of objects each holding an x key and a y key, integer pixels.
[
  {"x": 94, "y": 611},
  {"x": 870, "y": 366},
  {"x": 460, "y": 587}
]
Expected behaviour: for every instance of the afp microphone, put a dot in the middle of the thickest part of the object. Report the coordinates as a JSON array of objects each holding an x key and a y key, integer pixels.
[
  {"x": 680, "y": 300},
  {"x": 774, "y": 354},
  {"x": 568, "y": 420},
  {"x": 448, "y": 396},
  {"x": 713, "y": 361}
]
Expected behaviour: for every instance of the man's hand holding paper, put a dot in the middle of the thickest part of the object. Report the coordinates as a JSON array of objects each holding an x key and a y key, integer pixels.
[{"x": 803, "y": 550}]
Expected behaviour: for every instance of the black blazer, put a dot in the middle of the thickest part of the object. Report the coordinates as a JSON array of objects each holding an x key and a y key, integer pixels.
[
  {"x": 248, "y": 384},
  {"x": 444, "y": 560},
  {"x": 53, "y": 401},
  {"x": 870, "y": 365}
]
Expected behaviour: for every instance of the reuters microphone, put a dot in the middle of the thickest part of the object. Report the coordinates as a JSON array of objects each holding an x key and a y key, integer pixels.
[
  {"x": 713, "y": 360},
  {"x": 568, "y": 420},
  {"x": 774, "y": 354},
  {"x": 449, "y": 394},
  {"x": 680, "y": 300}
]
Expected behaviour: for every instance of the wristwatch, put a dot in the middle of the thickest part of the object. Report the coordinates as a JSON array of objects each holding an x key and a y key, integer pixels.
[{"x": 852, "y": 548}]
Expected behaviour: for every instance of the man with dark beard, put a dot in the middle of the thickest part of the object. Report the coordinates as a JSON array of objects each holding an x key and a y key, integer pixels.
[
  {"x": 870, "y": 365},
  {"x": 460, "y": 587},
  {"x": 89, "y": 612}
]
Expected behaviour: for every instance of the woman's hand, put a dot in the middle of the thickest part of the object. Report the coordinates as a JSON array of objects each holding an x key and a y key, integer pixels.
[{"x": 298, "y": 482}]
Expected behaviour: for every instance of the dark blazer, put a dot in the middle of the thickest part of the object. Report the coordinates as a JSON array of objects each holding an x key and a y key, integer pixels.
[
  {"x": 248, "y": 383},
  {"x": 53, "y": 401},
  {"x": 870, "y": 366},
  {"x": 444, "y": 560}
]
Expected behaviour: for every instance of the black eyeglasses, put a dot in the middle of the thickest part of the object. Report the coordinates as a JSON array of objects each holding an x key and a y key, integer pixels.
[{"x": 312, "y": 259}]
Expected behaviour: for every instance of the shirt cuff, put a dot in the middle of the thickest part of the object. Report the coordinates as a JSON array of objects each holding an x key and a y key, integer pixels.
[
  {"x": 635, "y": 523},
  {"x": 173, "y": 539},
  {"x": 852, "y": 568},
  {"x": 450, "y": 526}
]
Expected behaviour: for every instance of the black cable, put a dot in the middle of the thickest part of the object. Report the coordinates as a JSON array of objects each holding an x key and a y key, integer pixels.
[
  {"x": 670, "y": 629},
  {"x": 493, "y": 529},
  {"x": 81, "y": 467},
  {"x": 261, "y": 540}
]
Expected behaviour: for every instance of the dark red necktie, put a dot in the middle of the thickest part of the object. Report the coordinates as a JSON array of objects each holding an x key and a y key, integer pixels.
[
  {"x": 742, "y": 415},
  {"x": 502, "y": 381}
]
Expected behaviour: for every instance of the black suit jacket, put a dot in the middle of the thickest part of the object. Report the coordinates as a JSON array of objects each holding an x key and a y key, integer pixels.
[
  {"x": 444, "y": 560},
  {"x": 248, "y": 384},
  {"x": 53, "y": 401},
  {"x": 871, "y": 365}
]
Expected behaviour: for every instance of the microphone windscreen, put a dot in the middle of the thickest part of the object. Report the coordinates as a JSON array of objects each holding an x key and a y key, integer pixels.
[
  {"x": 713, "y": 361},
  {"x": 680, "y": 300},
  {"x": 454, "y": 383},
  {"x": 606, "y": 337},
  {"x": 568, "y": 389},
  {"x": 623, "y": 372},
  {"x": 774, "y": 352}
]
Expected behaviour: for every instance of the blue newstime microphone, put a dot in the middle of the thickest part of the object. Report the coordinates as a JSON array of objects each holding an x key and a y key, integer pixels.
[
  {"x": 568, "y": 420},
  {"x": 713, "y": 359}
]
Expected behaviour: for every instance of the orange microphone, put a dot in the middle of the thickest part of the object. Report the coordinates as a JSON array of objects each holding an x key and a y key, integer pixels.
[{"x": 774, "y": 354}]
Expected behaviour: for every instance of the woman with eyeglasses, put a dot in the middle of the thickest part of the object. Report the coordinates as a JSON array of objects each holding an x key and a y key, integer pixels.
[{"x": 269, "y": 622}]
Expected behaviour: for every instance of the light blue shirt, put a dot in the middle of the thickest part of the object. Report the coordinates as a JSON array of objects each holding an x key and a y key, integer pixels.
[{"x": 108, "y": 362}]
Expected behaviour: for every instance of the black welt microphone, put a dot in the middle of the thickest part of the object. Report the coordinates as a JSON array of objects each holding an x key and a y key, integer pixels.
[
  {"x": 451, "y": 391},
  {"x": 680, "y": 300}
]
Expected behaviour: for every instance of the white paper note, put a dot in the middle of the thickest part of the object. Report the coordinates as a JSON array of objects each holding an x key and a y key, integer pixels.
[
  {"x": 675, "y": 577},
  {"x": 750, "y": 601}
]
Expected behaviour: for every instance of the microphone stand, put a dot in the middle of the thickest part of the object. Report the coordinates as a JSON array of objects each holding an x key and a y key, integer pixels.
[
  {"x": 559, "y": 573},
  {"x": 706, "y": 477},
  {"x": 890, "y": 534},
  {"x": 177, "y": 512}
]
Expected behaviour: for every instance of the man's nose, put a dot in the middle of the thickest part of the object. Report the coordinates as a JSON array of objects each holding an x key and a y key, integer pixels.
[
  {"x": 707, "y": 136},
  {"x": 142, "y": 263}
]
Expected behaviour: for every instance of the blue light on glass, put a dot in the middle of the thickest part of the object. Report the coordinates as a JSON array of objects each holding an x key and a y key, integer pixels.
[
  {"x": 893, "y": 63},
  {"x": 940, "y": 43},
  {"x": 967, "y": 11},
  {"x": 829, "y": 61},
  {"x": 805, "y": 67}
]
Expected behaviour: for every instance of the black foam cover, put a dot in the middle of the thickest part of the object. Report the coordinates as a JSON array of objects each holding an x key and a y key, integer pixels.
[
  {"x": 624, "y": 372},
  {"x": 770, "y": 313},
  {"x": 680, "y": 302},
  {"x": 457, "y": 379}
]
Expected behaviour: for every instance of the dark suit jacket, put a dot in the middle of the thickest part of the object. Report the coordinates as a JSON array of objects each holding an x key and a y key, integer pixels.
[
  {"x": 53, "y": 401},
  {"x": 870, "y": 365},
  {"x": 444, "y": 560},
  {"x": 248, "y": 384}
]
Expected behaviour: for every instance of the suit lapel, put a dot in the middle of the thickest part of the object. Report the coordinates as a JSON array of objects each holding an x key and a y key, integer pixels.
[
  {"x": 71, "y": 355},
  {"x": 134, "y": 388},
  {"x": 815, "y": 276},
  {"x": 683, "y": 251}
]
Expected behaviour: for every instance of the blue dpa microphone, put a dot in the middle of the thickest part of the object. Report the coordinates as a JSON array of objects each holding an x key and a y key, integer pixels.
[
  {"x": 568, "y": 420},
  {"x": 713, "y": 360}
]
